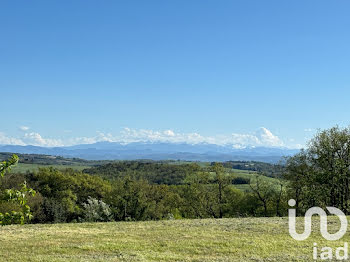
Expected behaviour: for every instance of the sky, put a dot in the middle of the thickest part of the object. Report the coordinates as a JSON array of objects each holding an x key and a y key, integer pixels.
[{"x": 267, "y": 73}]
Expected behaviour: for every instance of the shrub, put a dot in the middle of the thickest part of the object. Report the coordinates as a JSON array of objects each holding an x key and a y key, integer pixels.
[
  {"x": 96, "y": 211},
  {"x": 240, "y": 181}
]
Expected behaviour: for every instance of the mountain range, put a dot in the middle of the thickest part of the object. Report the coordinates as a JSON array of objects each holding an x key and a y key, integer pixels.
[{"x": 157, "y": 151}]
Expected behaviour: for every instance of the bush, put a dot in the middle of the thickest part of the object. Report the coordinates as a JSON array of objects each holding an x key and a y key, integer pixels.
[
  {"x": 240, "y": 181},
  {"x": 96, "y": 211},
  {"x": 53, "y": 211}
]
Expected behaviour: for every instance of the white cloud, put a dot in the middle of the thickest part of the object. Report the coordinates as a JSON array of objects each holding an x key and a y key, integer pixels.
[
  {"x": 169, "y": 133},
  {"x": 308, "y": 130},
  {"x": 143, "y": 135},
  {"x": 262, "y": 137},
  {"x": 265, "y": 137},
  {"x": 100, "y": 137},
  {"x": 36, "y": 139},
  {"x": 24, "y": 128},
  {"x": 5, "y": 140},
  {"x": 299, "y": 146}
]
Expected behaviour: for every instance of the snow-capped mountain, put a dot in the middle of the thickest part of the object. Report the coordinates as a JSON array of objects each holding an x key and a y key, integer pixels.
[{"x": 158, "y": 151}]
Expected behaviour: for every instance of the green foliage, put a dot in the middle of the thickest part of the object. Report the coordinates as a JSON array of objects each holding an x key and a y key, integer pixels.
[
  {"x": 269, "y": 196},
  {"x": 66, "y": 191},
  {"x": 6, "y": 165},
  {"x": 17, "y": 197},
  {"x": 210, "y": 195},
  {"x": 141, "y": 190},
  {"x": 153, "y": 172},
  {"x": 271, "y": 170},
  {"x": 240, "y": 180},
  {"x": 36, "y": 159},
  {"x": 320, "y": 175},
  {"x": 138, "y": 200},
  {"x": 54, "y": 211}
]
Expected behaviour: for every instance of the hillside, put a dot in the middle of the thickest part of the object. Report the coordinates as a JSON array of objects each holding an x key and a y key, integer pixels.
[
  {"x": 238, "y": 239},
  {"x": 111, "y": 169},
  {"x": 42, "y": 159}
]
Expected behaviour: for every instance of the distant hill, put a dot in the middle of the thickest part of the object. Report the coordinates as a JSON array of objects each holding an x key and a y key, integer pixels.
[
  {"x": 39, "y": 159},
  {"x": 157, "y": 151}
]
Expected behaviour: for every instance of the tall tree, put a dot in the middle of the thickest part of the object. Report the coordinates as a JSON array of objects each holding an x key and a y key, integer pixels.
[
  {"x": 222, "y": 180},
  {"x": 320, "y": 175},
  {"x": 263, "y": 191}
]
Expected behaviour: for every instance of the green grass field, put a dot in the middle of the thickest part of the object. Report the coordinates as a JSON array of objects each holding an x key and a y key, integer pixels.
[
  {"x": 237, "y": 239},
  {"x": 252, "y": 176}
]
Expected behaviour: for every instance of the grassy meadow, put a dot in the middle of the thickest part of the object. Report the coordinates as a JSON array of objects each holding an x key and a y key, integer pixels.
[
  {"x": 252, "y": 176},
  {"x": 234, "y": 239}
]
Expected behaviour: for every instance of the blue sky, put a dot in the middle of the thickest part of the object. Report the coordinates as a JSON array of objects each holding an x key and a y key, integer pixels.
[{"x": 83, "y": 71}]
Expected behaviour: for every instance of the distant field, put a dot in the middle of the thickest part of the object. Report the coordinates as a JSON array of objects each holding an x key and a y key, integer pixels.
[
  {"x": 237, "y": 239},
  {"x": 251, "y": 175}
]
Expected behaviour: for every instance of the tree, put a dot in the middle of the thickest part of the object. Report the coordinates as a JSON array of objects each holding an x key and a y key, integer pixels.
[
  {"x": 278, "y": 197},
  {"x": 263, "y": 191},
  {"x": 129, "y": 199},
  {"x": 65, "y": 192},
  {"x": 299, "y": 174},
  {"x": 17, "y": 198},
  {"x": 222, "y": 180},
  {"x": 320, "y": 175},
  {"x": 329, "y": 154},
  {"x": 197, "y": 196}
]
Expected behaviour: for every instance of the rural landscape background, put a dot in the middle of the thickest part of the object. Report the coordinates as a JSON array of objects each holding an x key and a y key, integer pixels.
[{"x": 172, "y": 131}]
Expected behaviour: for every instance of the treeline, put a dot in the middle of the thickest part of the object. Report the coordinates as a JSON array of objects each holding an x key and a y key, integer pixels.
[
  {"x": 71, "y": 196},
  {"x": 50, "y": 160},
  {"x": 153, "y": 172},
  {"x": 168, "y": 173}
]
